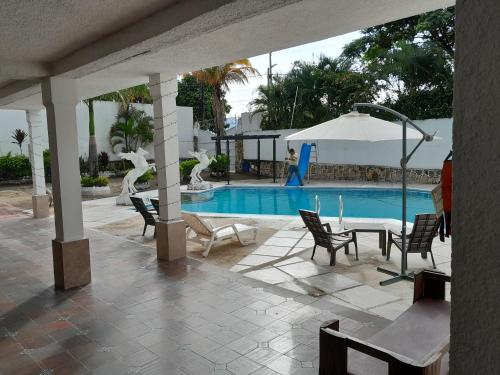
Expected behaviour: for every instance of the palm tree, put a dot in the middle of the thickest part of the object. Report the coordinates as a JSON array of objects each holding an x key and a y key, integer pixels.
[
  {"x": 19, "y": 136},
  {"x": 93, "y": 165},
  {"x": 136, "y": 94},
  {"x": 132, "y": 129},
  {"x": 220, "y": 77}
]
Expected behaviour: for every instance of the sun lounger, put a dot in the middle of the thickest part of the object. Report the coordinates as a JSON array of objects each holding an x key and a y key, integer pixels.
[{"x": 209, "y": 236}]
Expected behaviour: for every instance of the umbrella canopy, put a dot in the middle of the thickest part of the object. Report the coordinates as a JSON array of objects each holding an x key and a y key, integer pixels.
[{"x": 354, "y": 126}]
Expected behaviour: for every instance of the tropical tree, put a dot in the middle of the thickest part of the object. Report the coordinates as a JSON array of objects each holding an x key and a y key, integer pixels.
[
  {"x": 19, "y": 136},
  {"x": 133, "y": 128},
  {"x": 192, "y": 93},
  {"x": 412, "y": 58},
  {"x": 219, "y": 78},
  {"x": 313, "y": 93},
  {"x": 92, "y": 160}
]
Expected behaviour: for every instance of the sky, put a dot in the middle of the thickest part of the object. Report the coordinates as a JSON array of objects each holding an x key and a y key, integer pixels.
[{"x": 240, "y": 96}]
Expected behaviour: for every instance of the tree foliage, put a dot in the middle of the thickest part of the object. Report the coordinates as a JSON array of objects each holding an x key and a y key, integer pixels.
[
  {"x": 19, "y": 136},
  {"x": 324, "y": 90},
  {"x": 406, "y": 65},
  {"x": 190, "y": 93},
  {"x": 132, "y": 129},
  {"x": 412, "y": 59},
  {"x": 219, "y": 78}
]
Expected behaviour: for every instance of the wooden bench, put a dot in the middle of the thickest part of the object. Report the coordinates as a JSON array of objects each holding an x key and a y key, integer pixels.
[{"x": 416, "y": 343}]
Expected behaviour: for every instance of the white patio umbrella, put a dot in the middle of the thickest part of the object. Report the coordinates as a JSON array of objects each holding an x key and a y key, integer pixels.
[{"x": 356, "y": 126}]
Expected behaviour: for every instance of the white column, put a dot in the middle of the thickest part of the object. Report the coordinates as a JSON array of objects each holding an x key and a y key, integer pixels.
[
  {"x": 170, "y": 233},
  {"x": 40, "y": 197},
  {"x": 34, "y": 119},
  {"x": 70, "y": 248},
  {"x": 60, "y": 99},
  {"x": 475, "y": 284}
]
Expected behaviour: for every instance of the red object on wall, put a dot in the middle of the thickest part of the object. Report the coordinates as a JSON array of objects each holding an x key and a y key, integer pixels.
[{"x": 446, "y": 176}]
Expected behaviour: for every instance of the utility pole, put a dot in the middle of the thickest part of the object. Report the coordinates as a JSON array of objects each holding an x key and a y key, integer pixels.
[{"x": 270, "y": 71}]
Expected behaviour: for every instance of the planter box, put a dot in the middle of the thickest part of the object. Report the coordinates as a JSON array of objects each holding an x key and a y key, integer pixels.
[
  {"x": 218, "y": 174},
  {"x": 143, "y": 186},
  {"x": 95, "y": 191}
]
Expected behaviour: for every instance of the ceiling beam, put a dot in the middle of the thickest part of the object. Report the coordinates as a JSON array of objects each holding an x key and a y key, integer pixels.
[{"x": 23, "y": 70}]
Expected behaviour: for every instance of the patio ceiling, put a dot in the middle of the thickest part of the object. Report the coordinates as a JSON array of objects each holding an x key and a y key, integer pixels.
[{"x": 118, "y": 43}]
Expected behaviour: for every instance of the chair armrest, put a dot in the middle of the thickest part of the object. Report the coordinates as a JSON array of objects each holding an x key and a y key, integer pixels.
[
  {"x": 218, "y": 229},
  {"x": 430, "y": 284},
  {"x": 392, "y": 233},
  {"x": 333, "y": 353},
  {"x": 328, "y": 227},
  {"x": 344, "y": 232}
]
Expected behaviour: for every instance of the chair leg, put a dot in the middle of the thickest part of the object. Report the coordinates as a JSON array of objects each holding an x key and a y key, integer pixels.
[
  {"x": 154, "y": 233},
  {"x": 208, "y": 247},
  {"x": 144, "y": 230},
  {"x": 332, "y": 257},
  {"x": 388, "y": 251},
  {"x": 355, "y": 240},
  {"x": 314, "y": 250},
  {"x": 346, "y": 247},
  {"x": 432, "y": 257},
  {"x": 384, "y": 244}
]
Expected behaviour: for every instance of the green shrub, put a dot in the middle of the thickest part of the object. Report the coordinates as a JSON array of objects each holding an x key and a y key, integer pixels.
[
  {"x": 84, "y": 165},
  {"x": 186, "y": 166},
  {"x": 220, "y": 163},
  {"x": 14, "y": 167},
  {"x": 103, "y": 160},
  {"x": 146, "y": 177},
  {"x": 89, "y": 181}
]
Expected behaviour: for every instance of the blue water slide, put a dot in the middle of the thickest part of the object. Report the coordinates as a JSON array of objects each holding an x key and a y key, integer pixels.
[{"x": 305, "y": 153}]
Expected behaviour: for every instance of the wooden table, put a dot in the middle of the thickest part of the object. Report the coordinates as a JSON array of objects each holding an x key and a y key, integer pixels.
[{"x": 371, "y": 228}]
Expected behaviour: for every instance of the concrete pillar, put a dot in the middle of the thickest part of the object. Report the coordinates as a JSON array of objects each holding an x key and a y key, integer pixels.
[
  {"x": 40, "y": 197},
  {"x": 475, "y": 287},
  {"x": 170, "y": 230},
  {"x": 70, "y": 249}
]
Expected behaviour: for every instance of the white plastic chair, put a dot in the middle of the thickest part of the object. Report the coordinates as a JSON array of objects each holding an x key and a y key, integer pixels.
[{"x": 209, "y": 236}]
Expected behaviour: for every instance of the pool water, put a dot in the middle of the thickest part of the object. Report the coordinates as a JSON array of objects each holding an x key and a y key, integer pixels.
[{"x": 358, "y": 202}]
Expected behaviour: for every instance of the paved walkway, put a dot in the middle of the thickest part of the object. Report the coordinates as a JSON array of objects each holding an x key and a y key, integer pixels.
[{"x": 143, "y": 317}]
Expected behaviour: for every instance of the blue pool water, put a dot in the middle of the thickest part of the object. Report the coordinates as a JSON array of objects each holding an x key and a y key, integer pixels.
[{"x": 358, "y": 202}]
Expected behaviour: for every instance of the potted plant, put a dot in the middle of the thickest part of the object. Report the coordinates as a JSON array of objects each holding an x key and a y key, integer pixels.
[{"x": 95, "y": 186}]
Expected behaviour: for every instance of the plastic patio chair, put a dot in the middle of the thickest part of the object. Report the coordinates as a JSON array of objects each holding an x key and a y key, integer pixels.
[
  {"x": 420, "y": 239},
  {"x": 324, "y": 237},
  {"x": 146, "y": 215},
  {"x": 209, "y": 236}
]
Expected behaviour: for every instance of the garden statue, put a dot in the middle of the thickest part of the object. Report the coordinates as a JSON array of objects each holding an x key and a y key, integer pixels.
[
  {"x": 197, "y": 183},
  {"x": 141, "y": 166}
]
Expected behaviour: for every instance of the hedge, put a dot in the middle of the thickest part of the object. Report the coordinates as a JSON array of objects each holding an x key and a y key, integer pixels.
[{"x": 14, "y": 166}]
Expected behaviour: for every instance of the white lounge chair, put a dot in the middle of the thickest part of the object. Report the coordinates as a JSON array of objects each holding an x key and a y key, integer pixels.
[{"x": 209, "y": 236}]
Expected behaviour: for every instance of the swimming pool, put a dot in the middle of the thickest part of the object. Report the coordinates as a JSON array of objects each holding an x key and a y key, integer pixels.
[{"x": 358, "y": 202}]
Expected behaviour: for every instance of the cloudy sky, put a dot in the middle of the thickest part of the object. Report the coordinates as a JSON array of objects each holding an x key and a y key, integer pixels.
[{"x": 239, "y": 96}]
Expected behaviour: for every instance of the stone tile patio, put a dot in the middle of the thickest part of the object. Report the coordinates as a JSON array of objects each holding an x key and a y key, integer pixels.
[
  {"x": 353, "y": 283},
  {"x": 139, "y": 316}
]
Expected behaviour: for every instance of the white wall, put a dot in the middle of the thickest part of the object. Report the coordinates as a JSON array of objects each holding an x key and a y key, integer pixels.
[
  {"x": 104, "y": 117},
  {"x": 386, "y": 153}
]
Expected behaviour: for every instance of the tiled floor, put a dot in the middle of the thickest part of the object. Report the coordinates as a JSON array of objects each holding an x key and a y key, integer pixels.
[
  {"x": 139, "y": 316},
  {"x": 284, "y": 260}
]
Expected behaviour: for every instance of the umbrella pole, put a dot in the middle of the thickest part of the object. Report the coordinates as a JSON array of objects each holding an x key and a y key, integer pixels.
[{"x": 403, "y": 274}]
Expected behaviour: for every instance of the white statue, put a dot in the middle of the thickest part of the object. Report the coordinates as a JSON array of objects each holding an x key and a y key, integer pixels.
[
  {"x": 140, "y": 167},
  {"x": 197, "y": 182}
]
